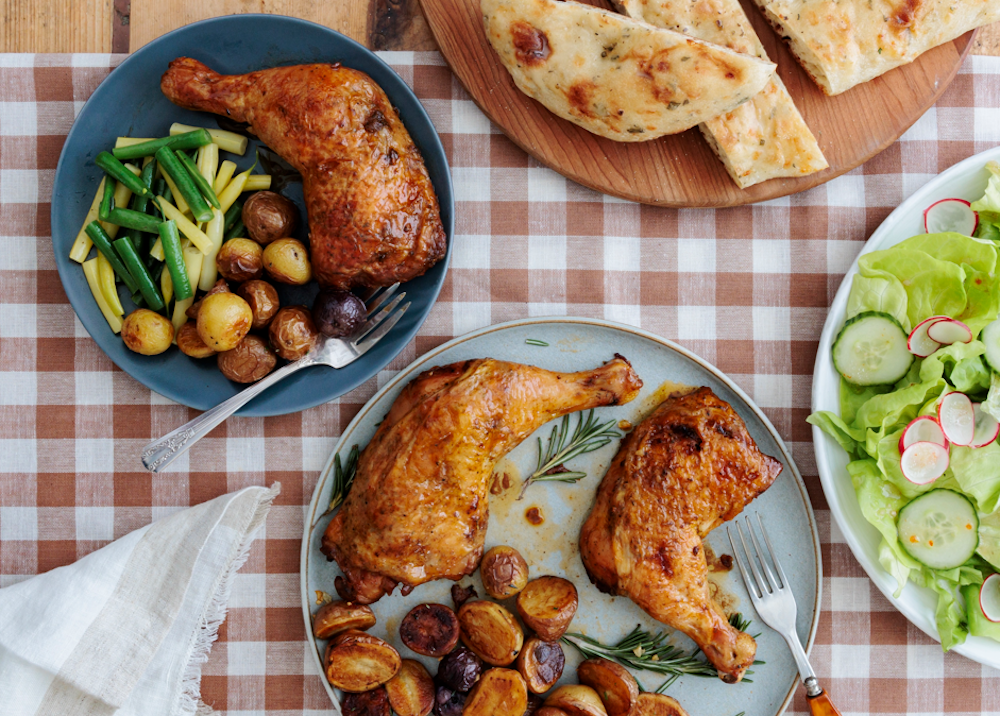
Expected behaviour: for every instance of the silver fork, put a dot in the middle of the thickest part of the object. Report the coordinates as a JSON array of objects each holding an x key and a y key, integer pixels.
[
  {"x": 772, "y": 597},
  {"x": 383, "y": 314}
]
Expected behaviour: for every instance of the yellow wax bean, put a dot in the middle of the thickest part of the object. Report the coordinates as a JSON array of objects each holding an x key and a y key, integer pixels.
[
  {"x": 226, "y": 171},
  {"x": 90, "y": 270},
  {"x": 185, "y": 225},
  {"x": 106, "y": 277},
  {"x": 257, "y": 182}
]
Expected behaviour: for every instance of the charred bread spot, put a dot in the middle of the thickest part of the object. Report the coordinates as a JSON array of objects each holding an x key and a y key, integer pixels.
[{"x": 531, "y": 45}]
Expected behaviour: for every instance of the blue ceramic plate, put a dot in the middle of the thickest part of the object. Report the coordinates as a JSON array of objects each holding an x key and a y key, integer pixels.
[{"x": 129, "y": 102}]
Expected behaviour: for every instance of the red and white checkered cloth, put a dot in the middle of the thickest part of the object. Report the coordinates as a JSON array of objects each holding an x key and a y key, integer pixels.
[{"x": 746, "y": 288}]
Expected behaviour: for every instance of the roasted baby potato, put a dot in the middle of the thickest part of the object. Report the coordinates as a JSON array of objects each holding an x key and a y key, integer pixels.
[
  {"x": 577, "y": 700},
  {"x": 657, "y": 705},
  {"x": 335, "y": 617},
  {"x": 147, "y": 332},
  {"x": 223, "y": 320},
  {"x": 460, "y": 669},
  {"x": 612, "y": 682},
  {"x": 190, "y": 342},
  {"x": 292, "y": 332},
  {"x": 550, "y": 711},
  {"x": 262, "y": 298},
  {"x": 448, "y": 702},
  {"x": 500, "y": 692},
  {"x": 287, "y": 261},
  {"x": 504, "y": 572},
  {"x": 338, "y": 313},
  {"x": 541, "y": 664},
  {"x": 547, "y": 606},
  {"x": 248, "y": 362},
  {"x": 490, "y": 631},
  {"x": 534, "y": 703},
  {"x": 220, "y": 287},
  {"x": 431, "y": 630},
  {"x": 269, "y": 216},
  {"x": 367, "y": 703},
  {"x": 411, "y": 690},
  {"x": 240, "y": 260},
  {"x": 357, "y": 662}
]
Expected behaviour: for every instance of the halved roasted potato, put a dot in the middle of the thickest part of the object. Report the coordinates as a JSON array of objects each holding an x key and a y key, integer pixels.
[
  {"x": 356, "y": 661},
  {"x": 577, "y": 700},
  {"x": 612, "y": 682},
  {"x": 367, "y": 703},
  {"x": 491, "y": 632},
  {"x": 339, "y": 616},
  {"x": 657, "y": 705},
  {"x": 547, "y": 605},
  {"x": 541, "y": 664},
  {"x": 550, "y": 711},
  {"x": 411, "y": 690},
  {"x": 500, "y": 692},
  {"x": 430, "y": 629}
]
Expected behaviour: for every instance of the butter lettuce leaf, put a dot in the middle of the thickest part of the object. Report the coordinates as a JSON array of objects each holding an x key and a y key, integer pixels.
[
  {"x": 933, "y": 287},
  {"x": 878, "y": 293},
  {"x": 991, "y": 199}
]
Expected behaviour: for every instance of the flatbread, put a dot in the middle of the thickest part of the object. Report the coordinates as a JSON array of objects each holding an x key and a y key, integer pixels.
[
  {"x": 614, "y": 76},
  {"x": 842, "y": 43},
  {"x": 762, "y": 139}
]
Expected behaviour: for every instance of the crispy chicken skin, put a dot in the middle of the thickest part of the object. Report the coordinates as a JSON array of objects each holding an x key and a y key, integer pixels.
[
  {"x": 679, "y": 474},
  {"x": 418, "y": 508},
  {"x": 373, "y": 215}
]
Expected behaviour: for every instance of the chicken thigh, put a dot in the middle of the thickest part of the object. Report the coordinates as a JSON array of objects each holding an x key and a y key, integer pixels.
[
  {"x": 418, "y": 508},
  {"x": 373, "y": 215},
  {"x": 679, "y": 474}
]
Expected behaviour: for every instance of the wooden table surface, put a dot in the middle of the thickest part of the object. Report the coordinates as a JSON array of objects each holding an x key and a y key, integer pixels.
[{"x": 124, "y": 26}]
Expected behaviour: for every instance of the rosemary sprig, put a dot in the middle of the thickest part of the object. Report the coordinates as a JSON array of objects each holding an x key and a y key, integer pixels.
[
  {"x": 561, "y": 446},
  {"x": 536, "y": 342},
  {"x": 645, "y": 651},
  {"x": 343, "y": 478}
]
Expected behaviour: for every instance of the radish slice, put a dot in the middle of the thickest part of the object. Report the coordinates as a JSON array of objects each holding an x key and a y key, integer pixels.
[
  {"x": 924, "y": 429},
  {"x": 919, "y": 343},
  {"x": 957, "y": 418},
  {"x": 987, "y": 427},
  {"x": 923, "y": 463},
  {"x": 950, "y": 215},
  {"x": 949, "y": 331},
  {"x": 989, "y": 597}
]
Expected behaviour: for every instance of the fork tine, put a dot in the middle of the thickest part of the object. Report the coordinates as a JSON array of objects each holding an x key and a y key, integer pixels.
[
  {"x": 373, "y": 321},
  {"x": 380, "y": 298},
  {"x": 751, "y": 585},
  {"x": 771, "y": 580},
  {"x": 770, "y": 551},
  {"x": 375, "y": 336},
  {"x": 762, "y": 584}
]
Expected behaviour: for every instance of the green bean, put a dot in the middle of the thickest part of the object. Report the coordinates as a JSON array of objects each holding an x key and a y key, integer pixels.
[
  {"x": 134, "y": 220},
  {"x": 187, "y": 140},
  {"x": 102, "y": 241},
  {"x": 201, "y": 182},
  {"x": 139, "y": 272},
  {"x": 108, "y": 200},
  {"x": 140, "y": 203},
  {"x": 175, "y": 260},
  {"x": 116, "y": 170},
  {"x": 170, "y": 164},
  {"x": 232, "y": 214},
  {"x": 138, "y": 300},
  {"x": 237, "y": 230}
]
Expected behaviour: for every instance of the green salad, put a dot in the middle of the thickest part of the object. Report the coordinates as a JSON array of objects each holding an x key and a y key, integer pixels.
[{"x": 919, "y": 356}]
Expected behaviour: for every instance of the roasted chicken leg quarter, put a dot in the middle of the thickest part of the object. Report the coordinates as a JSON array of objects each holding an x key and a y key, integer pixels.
[
  {"x": 679, "y": 474},
  {"x": 373, "y": 215},
  {"x": 418, "y": 509}
]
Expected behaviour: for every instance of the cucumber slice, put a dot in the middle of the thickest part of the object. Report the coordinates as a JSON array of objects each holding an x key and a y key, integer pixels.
[
  {"x": 989, "y": 539},
  {"x": 991, "y": 338},
  {"x": 939, "y": 529},
  {"x": 979, "y": 625},
  {"x": 871, "y": 350}
]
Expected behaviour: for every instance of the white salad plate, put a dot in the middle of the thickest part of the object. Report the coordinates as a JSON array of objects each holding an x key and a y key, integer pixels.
[
  {"x": 965, "y": 180},
  {"x": 552, "y": 547}
]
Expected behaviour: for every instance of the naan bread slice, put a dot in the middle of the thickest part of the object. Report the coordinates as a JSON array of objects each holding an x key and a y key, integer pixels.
[
  {"x": 761, "y": 139},
  {"x": 614, "y": 76},
  {"x": 842, "y": 43}
]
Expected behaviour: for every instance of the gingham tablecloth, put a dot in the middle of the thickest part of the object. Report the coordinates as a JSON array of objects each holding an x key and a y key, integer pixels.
[{"x": 746, "y": 288}]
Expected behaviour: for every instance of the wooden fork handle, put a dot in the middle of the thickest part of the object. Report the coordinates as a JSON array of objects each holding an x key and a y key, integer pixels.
[{"x": 820, "y": 705}]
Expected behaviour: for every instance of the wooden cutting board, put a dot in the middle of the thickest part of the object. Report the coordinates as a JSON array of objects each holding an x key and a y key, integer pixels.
[{"x": 681, "y": 170}]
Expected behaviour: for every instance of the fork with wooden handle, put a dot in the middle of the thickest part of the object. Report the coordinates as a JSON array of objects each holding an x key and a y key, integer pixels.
[
  {"x": 772, "y": 597},
  {"x": 383, "y": 314}
]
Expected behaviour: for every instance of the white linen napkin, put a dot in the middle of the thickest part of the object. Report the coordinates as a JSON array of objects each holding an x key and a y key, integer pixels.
[{"x": 126, "y": 629}]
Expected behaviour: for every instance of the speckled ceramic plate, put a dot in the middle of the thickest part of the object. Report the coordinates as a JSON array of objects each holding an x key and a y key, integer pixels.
[{"x": 551, "y": 547}]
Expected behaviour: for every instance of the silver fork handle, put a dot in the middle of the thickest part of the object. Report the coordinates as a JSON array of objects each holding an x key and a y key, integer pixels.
[
  {"x": 802, "y": 662},
  {"x": 160, "y": 453}
]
